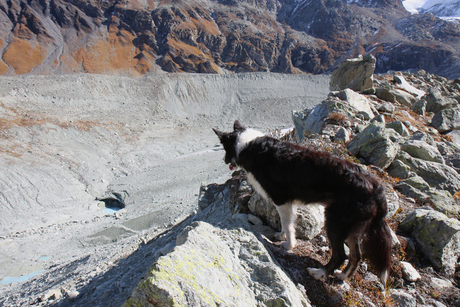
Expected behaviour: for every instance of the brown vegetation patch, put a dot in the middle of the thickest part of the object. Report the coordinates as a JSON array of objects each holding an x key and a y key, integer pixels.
[
  {"x": 206, "y": 26},
  {"x": 3, "y": 67},
  {"x": 22, "y": 118},
  {"x": 23, "y": 56},
  {"x": 115, "y": 53}
]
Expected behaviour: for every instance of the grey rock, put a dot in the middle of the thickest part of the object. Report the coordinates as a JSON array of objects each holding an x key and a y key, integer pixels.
[
  {"x": 396, "y": 96},
  {"x": 399, "y": 169},
  {"x": 398, "y": 127},
  {"x": 441, "y": 283},
  {"x": 409, "y": 273},
  {"x": 375, "y": 145},
  {"x": 414, "y": 187},
  {"x": 438, "y": 235},
  {"x": 446, "y": 120},
  {"x": 421, "y": 150},
  {"x": 419, "y": 107},
  {"x": 422, "y": 136},
  {"x": 312, "y": 121},
  {"x": 455, "y": 135},
  {"x": 435, "y": 102},
  {"x": 392, "y": 202},
  {"x": 355, "y": 74},
  {"x": 358, "y": 102},
  {"x": 386, "y": 108},
  {"x": 309, "y": 222},
  {"x": 342, "y": 135},
  {"x": 379, "y": 119},
  {"x": 439, "y": 176},
  {"x": 401, "y": 83},
  {"x": 403, "y": 299},
  {"x": 211, "y": 266},
  {"x": 443, "y": 202}
]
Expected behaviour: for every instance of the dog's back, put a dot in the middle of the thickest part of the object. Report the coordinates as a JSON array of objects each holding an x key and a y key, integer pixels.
[{"x": 289, "y": 172}]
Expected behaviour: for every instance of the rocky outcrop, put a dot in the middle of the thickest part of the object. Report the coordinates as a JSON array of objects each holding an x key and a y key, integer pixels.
[
  {"x": 376, "y": 145},
  {"x": 398, "y": 141},
  {"x": 438, "y": 235},
  {"x": 212, "y": 266},
  {"x": 421, "y": 158},
  {"x": 136, "y": 38},
  {"x": 217, "y": 260},
  {"x": 355, "y": 74}
]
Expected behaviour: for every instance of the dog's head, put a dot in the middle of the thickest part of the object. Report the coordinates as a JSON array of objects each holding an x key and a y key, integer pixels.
[{"x": 229, "y": 140}]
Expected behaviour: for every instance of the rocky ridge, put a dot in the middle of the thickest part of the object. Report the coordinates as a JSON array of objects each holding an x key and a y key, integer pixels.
[
  {"x": 131, "y": 37},
  {"x": 392, "y": 130}
]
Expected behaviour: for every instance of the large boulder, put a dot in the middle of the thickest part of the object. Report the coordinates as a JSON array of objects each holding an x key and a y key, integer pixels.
[
  {"x": 358, "y": 102},
  {"x": 446, "y": 120},
  {"x": 312, "y": 121},
  {"x": 437, "y": 175},
  {"x": 438, "y": 236},
  {"x": 211, "y": 266},
  {"x": 422, "y": 150},
  {"x": 395, "y": 96},
  {"x": 376, "y": 145},
  {"x": 346, "y": 102},
  {"x": 355, "y": 74},
  {"x": 401, "y": 83},
  {"x": 436, "y": 102},
  {"x": 399, "y": 127}
]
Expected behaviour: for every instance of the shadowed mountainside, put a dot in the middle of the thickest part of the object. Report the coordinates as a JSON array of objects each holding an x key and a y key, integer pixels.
[{"x": 134, "y": 37}]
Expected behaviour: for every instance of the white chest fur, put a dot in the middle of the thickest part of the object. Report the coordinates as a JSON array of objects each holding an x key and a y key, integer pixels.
[{"x": 256, "y": 185}]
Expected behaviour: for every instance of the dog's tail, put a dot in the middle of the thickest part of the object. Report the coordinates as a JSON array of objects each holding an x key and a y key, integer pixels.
[{"x": 378, "y": 243}]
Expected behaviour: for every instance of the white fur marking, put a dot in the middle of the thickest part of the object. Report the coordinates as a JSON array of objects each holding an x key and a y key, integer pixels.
[
  {"x": 288, "y": 214},
  {"x": 245, "y": 137},
  {"x": 318, "y": 274},
  {"x": 256, "y": 185},
  {"x": 383, "y": 277}
]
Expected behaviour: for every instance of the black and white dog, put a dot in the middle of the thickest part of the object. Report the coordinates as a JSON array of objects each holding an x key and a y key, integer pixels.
[{"x": 288, "y": 174}]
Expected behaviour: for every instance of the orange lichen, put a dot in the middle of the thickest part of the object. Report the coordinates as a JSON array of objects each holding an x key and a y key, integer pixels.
[{"x": 23, "y": 55}]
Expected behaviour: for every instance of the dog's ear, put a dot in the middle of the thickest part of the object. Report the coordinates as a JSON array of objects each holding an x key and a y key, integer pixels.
[
  {"x": 220, "y": 134},
  {"x": 237, "y": 126}
]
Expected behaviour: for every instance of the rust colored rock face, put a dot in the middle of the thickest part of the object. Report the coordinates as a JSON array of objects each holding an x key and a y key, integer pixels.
[{"x": 134, "y": 37}]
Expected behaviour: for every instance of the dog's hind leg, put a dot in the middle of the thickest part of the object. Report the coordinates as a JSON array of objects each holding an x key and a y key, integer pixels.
[
  {"x": 287, "y": 214},
  {"x": 336, "y": 236},
  {"x": 354, "y": 257}
]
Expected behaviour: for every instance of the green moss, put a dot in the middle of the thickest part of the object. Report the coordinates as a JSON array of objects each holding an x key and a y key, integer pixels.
[{"x": 172, "y": 274}]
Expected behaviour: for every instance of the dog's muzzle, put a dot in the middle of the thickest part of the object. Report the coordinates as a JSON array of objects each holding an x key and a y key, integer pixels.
[{"x": 232, "y": 165}]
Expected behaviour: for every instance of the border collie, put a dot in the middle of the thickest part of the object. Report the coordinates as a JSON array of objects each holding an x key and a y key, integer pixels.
[{"x": 289, "y": 174}]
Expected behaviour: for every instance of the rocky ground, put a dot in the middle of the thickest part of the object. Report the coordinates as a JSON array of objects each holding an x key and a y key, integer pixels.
[
  {"x": 221, "y": 244},
  {"x": 404, "y": 130},
  {"x": 94, "y": 168}
]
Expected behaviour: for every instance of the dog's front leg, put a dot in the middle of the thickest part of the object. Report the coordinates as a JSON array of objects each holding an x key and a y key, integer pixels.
[{"x": 287, "y": 214}]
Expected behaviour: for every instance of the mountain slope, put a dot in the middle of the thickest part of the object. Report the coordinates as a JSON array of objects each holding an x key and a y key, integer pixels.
[
  {"x": 131, "y": 37},
  {"x": 442, "y": 8}
]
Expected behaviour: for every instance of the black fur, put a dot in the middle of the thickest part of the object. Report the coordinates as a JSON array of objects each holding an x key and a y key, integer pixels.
[{"x": 354, "y": 200}]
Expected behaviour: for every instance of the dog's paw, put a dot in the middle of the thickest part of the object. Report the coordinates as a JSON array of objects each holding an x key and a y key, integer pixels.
[
  {"x": 287, "y": 245},
  {"x": 280, "y": 236},
  {"x": 318, "y": 274}
]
